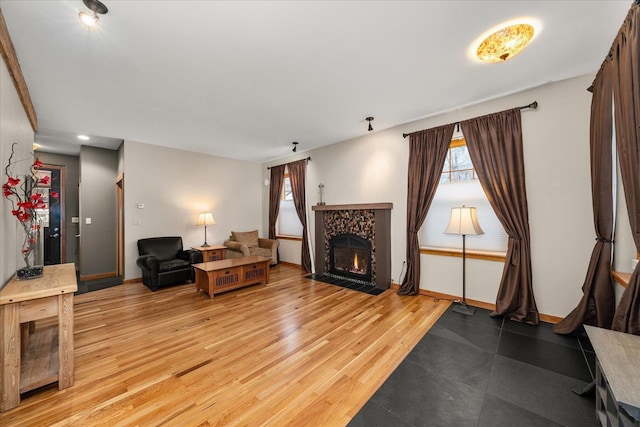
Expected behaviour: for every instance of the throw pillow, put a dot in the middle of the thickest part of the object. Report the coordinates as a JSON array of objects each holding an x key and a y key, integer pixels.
[{"x": 249, "y": 238}]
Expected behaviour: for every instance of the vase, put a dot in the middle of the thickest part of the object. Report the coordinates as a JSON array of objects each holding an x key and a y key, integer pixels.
[{"x": 30, "y": 244}]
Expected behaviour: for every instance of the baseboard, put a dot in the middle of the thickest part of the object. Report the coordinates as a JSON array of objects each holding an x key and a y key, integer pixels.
[
  {"x": 289, "y": 264},
  {"x": 98, "y": 276},
  {"x": 547, "y": 318},
  {"x": 136, "y": 280}
]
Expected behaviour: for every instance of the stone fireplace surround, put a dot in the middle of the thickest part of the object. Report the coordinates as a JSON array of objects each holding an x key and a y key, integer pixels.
[{"x": 370, "y": 221}]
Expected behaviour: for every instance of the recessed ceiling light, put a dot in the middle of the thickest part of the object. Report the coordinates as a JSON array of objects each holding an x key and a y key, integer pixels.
[
  {"x": 504, "y": 41},
  {"x": 83, "y": 137}
]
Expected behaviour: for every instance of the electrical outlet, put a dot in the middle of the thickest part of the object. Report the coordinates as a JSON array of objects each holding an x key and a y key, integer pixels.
[
  {"x": 140, "y": 205},
  {"x": 87, "y": 220}
]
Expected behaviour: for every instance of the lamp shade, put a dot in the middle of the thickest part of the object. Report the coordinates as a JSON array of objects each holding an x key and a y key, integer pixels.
[
  {"x": 464, "y": 221},
  {"x": 206, "y": 218}
]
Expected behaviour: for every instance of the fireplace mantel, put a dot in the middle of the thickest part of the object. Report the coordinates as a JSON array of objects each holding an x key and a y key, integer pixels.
[{"x": 355, "y": 206}]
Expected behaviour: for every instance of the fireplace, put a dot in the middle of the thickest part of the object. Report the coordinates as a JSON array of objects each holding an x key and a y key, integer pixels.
[
  {"x": 350, "y": 256},
  {"x": 353, "y": 243}
]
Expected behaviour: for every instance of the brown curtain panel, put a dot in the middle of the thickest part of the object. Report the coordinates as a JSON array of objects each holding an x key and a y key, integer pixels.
[
  {"x": 275, "y": 193},
  {"x": 598, "y": 303},
  {"x": 626, "y": 84},
  {"x": 427, "y": 153},
  {"x": 297, "y": 172},
  {"x": 495, "y": 147}
]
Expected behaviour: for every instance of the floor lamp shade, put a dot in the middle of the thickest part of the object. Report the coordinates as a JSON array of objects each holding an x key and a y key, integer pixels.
[
  {"x": 205, "y": 218},
  {"x": 463, "y": 222}
]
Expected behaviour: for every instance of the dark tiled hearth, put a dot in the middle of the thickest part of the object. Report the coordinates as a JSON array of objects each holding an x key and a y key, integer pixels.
[
  {"x": 368, "y": 288},
  {"x": 481, "y": 371}
]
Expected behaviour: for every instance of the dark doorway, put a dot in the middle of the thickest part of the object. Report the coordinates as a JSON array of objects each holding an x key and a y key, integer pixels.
[{"x": 54, "y": 217}]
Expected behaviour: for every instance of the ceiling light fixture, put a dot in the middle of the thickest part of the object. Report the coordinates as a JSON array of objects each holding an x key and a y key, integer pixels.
[
  {"x": 369, "y": 120},
  {"x": 505, "y": 41},
  {"x": 83, "y": 137},
  {"x": 90, "y": 18},
  {"x": 295, "y": 146}
]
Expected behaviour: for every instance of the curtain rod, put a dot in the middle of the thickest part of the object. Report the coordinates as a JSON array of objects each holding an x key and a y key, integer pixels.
[
  {"x": 533, "y": 105},
  {"x": 609, "y": 56},
  {"x": 307, "y": 159}
]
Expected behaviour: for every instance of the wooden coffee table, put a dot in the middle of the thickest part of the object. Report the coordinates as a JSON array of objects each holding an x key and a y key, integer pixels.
[{"x": 227, "y": 274}]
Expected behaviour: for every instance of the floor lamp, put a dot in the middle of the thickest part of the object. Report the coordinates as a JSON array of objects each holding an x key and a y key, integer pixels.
[
  {"x": 464, "y": 221},
  {"x": 205, "y": 219}
]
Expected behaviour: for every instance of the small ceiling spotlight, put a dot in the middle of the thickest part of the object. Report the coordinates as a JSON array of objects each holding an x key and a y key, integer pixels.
[
  {"x": 90, "y": 18},
  {"x": 369, "y": 120},
  {"x": 295, "y": 146}
]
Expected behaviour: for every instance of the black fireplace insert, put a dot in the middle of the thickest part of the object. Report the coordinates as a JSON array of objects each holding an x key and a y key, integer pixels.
[{"x": 350, "y": 256}]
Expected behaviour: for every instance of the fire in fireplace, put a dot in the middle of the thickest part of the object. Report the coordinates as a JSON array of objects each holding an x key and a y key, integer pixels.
[{"x": 350, "y": 256}]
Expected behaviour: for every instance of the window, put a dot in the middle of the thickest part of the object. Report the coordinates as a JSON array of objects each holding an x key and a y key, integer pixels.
[
  {"x": 459, "y": 186},
  {"x": 288, "y": 223}
]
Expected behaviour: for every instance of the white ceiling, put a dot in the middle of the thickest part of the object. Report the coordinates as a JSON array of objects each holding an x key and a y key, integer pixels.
[{"x": 243, "y": 79}]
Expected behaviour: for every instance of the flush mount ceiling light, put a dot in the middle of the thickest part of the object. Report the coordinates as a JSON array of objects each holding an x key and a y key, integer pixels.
[
  {"x": 90, "y": 18},
  {"x": 83, "y": 137},
  {"x": 505, "y": 41},
  {"x": 369, "y": 119}
]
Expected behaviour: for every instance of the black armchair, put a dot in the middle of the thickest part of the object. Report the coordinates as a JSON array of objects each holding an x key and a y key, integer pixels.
[{"x": 163, "y": 261}]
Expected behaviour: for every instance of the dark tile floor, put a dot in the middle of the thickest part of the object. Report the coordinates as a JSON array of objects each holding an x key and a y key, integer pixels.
[
  {"x": 97, "y": 284},
  {"x": 481, "y": 371}
]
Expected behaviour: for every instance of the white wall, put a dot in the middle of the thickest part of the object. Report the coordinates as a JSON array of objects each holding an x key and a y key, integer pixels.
[
  {"x": 373, "y": 168},
  {"x": 14, "y": 127},
  {"x": 175, "y": 186}
]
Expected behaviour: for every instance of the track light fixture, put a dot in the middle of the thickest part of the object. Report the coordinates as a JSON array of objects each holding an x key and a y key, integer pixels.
[
  {"x": 295, "y": 146},
  {"x": 90, "y": 18},
  {"x": 369, "y": 120}
]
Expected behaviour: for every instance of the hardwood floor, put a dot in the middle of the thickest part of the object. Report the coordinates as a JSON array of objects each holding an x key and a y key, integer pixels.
[{"x": 293, "y": 352}]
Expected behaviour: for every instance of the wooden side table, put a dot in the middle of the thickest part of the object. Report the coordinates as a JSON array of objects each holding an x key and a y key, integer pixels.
[
  {"x": 212, "y": 253},
  {"x": 617, "y": 376},
  {"x": 21, "y": 303}
]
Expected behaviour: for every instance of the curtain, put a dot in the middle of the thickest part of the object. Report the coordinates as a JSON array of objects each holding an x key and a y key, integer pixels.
[
  {"x": 427, "y": 153},
  {"x": 297, "y": 172},
  {"x": 495, "y": 147},
  {"x": 626, "y": 84},
  {"x": 275, "y": 193},
  {"x": 598, "y": 303}
]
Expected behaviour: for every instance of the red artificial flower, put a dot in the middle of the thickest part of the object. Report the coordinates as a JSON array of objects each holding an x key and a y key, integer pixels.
[
  {"x": 37, "y": 164},
  {"x": 25, "y": 205},
  {"x": 15, "y": 212},
  {"x": 23, "y": 217},
  {"x": 6, "y": 192},
  {"x": 45, "y": 180},
  {"x": 13, "y": 181},
  {"x": 54, "y": 194},
  {"x": 36, "y": 196}
]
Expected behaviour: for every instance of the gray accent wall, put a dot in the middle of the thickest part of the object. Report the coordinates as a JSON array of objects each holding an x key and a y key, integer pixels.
[
  {"x": 98, "y": 244},
  {"x": 14, "y": 127},
  {"x": 71, "y": 204}
]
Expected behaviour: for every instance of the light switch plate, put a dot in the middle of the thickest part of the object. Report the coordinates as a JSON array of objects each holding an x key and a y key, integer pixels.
[
  {"x": 87, "y": 220},
  {"x": 75, "y": 220}
]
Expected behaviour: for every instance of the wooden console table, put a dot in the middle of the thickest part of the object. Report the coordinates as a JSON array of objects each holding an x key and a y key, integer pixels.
[
  {"x": 21, "y": 303},
  {"x": 617, "y": 376},
  {"x": 219, "y": 276},
  {"x": 211, "y": 253}
]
